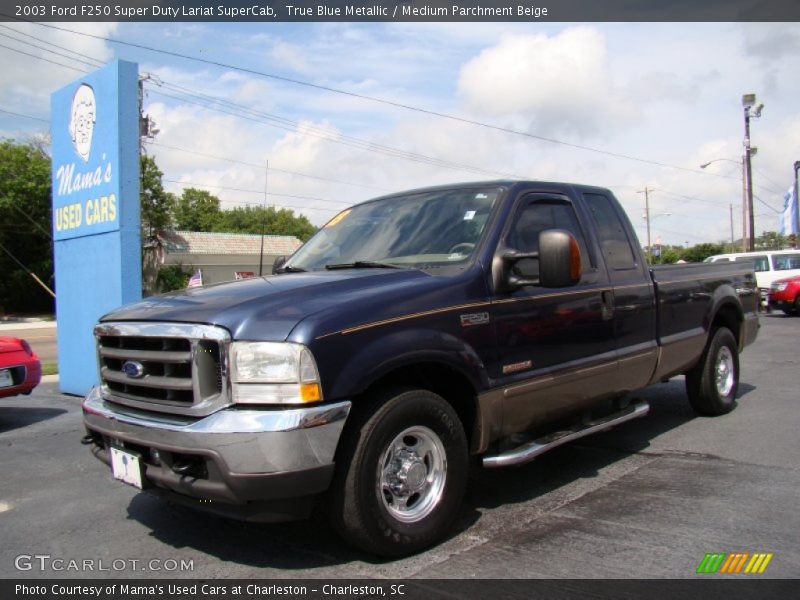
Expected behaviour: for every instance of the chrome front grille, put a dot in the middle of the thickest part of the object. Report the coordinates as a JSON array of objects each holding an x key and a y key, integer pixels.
[{"x": 168, "y": 367}]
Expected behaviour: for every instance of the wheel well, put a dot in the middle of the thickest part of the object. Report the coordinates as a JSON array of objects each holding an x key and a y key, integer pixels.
[
  {"x": 438, "y": 378},
  {"x": 731, "y": 317}
]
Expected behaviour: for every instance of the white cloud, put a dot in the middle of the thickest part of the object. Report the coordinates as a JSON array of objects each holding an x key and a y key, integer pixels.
[
  {"x": 290, "y": 55},
  {"x": 633, "y": 89},
  {"x": 557, "y": 84},
  {"x": 27, "y": 82}
]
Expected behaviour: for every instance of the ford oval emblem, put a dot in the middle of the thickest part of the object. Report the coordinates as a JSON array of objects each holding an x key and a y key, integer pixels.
[{"x": 134, "y": 369}]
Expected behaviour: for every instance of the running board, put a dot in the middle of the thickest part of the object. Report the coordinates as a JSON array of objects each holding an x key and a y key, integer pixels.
[{"x": 530, "y": 450}]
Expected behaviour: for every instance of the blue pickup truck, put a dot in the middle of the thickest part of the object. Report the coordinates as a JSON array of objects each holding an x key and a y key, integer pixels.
[{"x": 412, "y": 336}]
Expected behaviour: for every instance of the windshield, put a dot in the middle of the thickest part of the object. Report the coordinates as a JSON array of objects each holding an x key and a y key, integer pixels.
[{"x": 420, "y": 230}]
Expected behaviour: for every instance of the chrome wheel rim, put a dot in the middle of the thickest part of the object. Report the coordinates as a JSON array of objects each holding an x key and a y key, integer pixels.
[
  {"x": 724, "y": 371},
  {"x": 412, "y": 473}
]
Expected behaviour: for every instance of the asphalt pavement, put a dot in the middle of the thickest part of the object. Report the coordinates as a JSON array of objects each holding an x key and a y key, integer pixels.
[{"x": 646, "y": 500}]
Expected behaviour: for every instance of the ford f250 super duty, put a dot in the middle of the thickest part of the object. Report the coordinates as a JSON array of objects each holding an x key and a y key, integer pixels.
[{"x": 413, "y": 334}]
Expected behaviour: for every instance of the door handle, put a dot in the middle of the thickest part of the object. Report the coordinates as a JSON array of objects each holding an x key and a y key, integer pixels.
[{"x": 607, "y": 310}]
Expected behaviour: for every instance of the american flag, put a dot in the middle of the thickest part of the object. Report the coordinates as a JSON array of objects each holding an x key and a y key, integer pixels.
[{"x": 195, "y": 280}]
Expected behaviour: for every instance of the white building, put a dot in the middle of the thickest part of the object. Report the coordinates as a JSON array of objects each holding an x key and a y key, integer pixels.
[{"x": 219, "y": 256}]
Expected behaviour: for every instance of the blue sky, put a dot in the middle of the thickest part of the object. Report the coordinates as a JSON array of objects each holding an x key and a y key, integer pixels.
[{"x": 666, "y": 93}]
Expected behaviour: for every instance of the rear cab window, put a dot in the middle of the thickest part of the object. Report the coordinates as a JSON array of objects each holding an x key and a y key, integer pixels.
[
  {"x": 785, "y": 262},
  {"x": 614, "y": 241}
]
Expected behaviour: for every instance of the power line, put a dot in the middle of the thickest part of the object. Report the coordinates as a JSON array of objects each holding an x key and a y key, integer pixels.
[
  {"x": 384, "y": 101},
  {"x": 48, "y": 43},
  {"x": 189, "y": 184},
  {"x": 275, "y": 169},
  {"x": 27, "y": 216},
  {"x": 38, "y": 47},
  {"x": 8, "y": 112},
  {"x": 324, "y": 134},
  {"x": 293, "y": 125},
  {"x": 43, "y": 58},
  {"x": 304, "y": 129},
  {"x": 28, "y": 271}
]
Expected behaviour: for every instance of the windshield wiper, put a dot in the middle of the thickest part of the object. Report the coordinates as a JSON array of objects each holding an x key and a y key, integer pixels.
[
  {"x": 290, "y": 269},
  {"x": 361, "y": 264}
]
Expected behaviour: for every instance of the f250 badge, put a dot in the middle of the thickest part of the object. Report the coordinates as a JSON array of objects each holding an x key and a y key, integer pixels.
[{"x": 472, "y": 319}]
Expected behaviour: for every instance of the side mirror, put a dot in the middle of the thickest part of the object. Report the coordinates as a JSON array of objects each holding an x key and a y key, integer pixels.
[
  {"x": 279, "y": 262},
  {"x": 559, "y": 259}
]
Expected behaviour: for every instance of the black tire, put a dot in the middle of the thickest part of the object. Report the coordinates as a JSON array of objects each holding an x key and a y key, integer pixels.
[
  {"x": 712, "y": 384},
  {"x": 361, "y": 503},
  {"x": 794, "y": 309}
]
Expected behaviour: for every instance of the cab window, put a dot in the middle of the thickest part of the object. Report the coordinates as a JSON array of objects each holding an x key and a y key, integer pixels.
[
  {"x": 535, "y": 217},
  {"x": 761, "y": 263}
]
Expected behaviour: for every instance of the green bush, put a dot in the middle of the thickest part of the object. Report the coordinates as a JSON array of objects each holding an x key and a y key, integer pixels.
[{"x": 172, "y": 277}]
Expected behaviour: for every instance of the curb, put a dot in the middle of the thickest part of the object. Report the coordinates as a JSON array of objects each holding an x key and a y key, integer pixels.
[
  {"x": 49, "y": 378},
  {"x": 7, "y": 325}
]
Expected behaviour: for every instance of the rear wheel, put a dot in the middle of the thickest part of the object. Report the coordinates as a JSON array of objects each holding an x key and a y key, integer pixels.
[
  {"x": 401, "y": 474},
  {"x": 711, "y": 385}
]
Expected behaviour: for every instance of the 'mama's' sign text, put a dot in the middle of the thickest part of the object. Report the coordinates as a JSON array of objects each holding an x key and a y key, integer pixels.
[{"x": 86, "y": 158}]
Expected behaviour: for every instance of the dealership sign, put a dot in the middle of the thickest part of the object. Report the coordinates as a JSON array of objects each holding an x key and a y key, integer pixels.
[{"x": 95, "y": 179}]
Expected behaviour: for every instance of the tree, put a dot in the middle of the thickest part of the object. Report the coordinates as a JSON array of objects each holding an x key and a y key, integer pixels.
[
  {"x": 172, "y": 277},
  {"x": 669, "y": 255},
  {"x": 771, "y": 240},
  {"x": 25, "y": 226},
  {"x": 700, "y": 252},
  {"x": 255, "y": 219},
  {"x": 196, "y": 210},
  {"x": 156, "y": 204}
]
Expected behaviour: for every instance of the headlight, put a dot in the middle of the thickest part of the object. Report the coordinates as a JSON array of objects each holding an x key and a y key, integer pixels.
[
  {"x": 779, "y": 287},
  {"x": 274, "y": 373}
]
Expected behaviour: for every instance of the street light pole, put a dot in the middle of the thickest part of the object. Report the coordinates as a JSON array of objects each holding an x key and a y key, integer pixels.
[{"x": 748, "y": 102}]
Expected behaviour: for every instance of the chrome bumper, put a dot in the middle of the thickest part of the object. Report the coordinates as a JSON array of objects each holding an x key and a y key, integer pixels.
[{"x": 241, "y": 441}]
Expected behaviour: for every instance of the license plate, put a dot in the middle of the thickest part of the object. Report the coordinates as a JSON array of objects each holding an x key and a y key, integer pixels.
[
  {"x": 126, "y": 467},
  {"x": 5, "y": 378}
]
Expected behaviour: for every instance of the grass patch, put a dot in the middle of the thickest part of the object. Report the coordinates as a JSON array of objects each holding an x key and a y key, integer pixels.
[{"x": 50, "y": 369}]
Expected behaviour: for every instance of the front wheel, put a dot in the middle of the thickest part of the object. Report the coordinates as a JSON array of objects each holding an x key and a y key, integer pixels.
[
  {"x": 401, "y": 474},
  {"x": 711, "y": 385}
]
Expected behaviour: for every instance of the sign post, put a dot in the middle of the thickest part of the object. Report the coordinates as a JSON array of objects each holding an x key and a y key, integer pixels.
[{"x": 96, "y": 221}]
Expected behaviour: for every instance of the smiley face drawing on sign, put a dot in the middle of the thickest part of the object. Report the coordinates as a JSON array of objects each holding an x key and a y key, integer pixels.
[{"x": 82, "y": 119}]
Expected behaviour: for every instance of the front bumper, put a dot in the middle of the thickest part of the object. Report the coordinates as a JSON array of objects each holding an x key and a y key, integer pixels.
[
  {"x": 251, "y": 463},
  {"x": 781, "y": 301}
]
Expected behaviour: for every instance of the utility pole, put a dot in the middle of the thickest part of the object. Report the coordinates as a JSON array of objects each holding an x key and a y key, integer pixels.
[
  {"x": 263, "y": 220},
  {"x": 730, "y": 206},
  {"x": 744, "y": 205},
  {"x": 750, "y": 110},
  {"x": 646, "y": 191},
  {"x": 796, "y": 207}
]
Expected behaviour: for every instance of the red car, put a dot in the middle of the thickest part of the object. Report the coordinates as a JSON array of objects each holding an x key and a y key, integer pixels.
[
  {"x": 20, "y": 370},
  {"x": 785, "y": 295}
]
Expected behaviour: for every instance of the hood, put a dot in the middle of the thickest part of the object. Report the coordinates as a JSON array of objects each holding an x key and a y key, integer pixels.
[
  {"x": 274, "y": 304},
  {"x": 795, "y": 279},
  {"x": 10, "y": 344}
]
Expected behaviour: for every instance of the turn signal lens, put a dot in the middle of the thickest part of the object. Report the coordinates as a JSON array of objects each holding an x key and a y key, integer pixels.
[{"x": 310, "y": 392}]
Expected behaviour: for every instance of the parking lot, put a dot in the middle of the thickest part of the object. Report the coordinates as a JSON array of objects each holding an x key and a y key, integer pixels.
[{"x": 646, "y": 500}]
